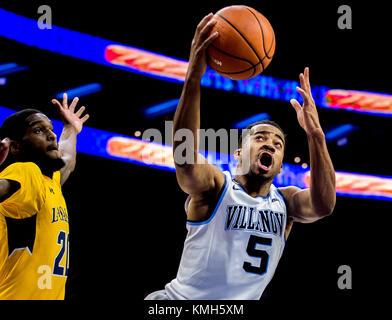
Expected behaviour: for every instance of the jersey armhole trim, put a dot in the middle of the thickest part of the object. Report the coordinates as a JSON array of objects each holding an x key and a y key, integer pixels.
[
  {"x": 221, "y": 196},
  {"x": 283, "y": 197},
  {"x": 287, "y": 216}
]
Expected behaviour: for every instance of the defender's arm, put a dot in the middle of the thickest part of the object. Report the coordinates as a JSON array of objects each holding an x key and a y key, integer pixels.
[{"x": 73, "y": 124}]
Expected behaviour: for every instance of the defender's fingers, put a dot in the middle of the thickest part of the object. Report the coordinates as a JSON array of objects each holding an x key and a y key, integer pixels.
[
  {"x": 73, "y": 104},
  {"x": 57, "y": 104},
  {"x": 80, "y": 111},
  {"x": 84, "y": 119},
  {"x": 65, "y": 100}
]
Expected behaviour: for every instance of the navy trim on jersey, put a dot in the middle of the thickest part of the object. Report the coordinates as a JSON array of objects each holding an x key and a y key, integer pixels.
[
  {"x": 222, "y": 193},
  {"x": 283, "y": 197},
  {"x": 287, "y": 214}
]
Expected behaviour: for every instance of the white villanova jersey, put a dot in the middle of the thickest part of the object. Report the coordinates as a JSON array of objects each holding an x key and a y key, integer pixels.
[{"x": 232, "y": 255}]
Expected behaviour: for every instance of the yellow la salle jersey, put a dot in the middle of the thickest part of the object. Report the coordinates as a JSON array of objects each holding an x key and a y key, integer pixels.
[{"x": 34, "y": 236}]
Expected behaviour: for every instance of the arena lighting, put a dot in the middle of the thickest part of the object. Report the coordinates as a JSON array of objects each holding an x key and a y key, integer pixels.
[
  {"x": 340, "y": 132},
  {"x": 8, "y": 68},
  {"x": 80, "y": 91},
  {"x": 109, "y": 53},
  {"x": 136, "y": 151},
  {"x": 161, "y": 108},
  {"x": 71, "y": 43},
  {"x": 245, "y": 122},
  {"x": 360, "y": 101},
  {"x": 347, "y": 184}
]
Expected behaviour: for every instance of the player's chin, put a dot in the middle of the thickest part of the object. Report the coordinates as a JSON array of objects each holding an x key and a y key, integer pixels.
[
  {"x": 264, "y": 173},
  {"x": 267, "y": 173},
  {"x": 55, "y": 163},
  {"x": 53, "y": 154},
  {"x": 53, "y": 160}
]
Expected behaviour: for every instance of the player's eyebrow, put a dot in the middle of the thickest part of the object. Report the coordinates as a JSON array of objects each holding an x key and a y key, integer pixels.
[
  {"x": 269, "y": 132},
  {"x": 33, "y": 123}
]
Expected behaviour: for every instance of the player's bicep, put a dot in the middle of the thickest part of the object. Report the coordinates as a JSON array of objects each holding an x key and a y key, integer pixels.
[
  {"x": 299, "y": 205},
  {"x": 200, "y": 177}
]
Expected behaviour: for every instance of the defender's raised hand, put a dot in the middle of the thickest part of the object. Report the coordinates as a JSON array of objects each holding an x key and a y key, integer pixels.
[
  {"x": 307, "y": 113},
  {"x": 68, "y": 114}
]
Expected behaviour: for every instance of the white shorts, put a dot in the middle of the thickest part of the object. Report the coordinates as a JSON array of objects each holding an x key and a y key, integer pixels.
[{"x": 157, "y": 295}]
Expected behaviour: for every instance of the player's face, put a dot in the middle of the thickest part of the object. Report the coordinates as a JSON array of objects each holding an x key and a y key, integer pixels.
[
  {"x": 39, "y": 141},
  {"x": 265, "y": 150}
]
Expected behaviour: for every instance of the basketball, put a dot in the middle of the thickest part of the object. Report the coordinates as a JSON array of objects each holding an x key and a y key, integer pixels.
[{"x": 246, "y": 43}]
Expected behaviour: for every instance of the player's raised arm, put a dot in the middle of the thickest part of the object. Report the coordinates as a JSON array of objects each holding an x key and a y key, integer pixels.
[
  {"x": 194, "y": 174},
  {"x": 7, "y": 187},
  {"x": 319, "y": 200},
  {"x": 73, "y": 124}
]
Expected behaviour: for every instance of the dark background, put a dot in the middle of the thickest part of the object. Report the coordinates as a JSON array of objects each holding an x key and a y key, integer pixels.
[{"x": 127, "y": 221}]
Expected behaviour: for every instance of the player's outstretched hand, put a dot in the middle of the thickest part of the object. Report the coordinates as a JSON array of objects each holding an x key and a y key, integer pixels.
[
  {"x": 68, "y": 114},
  {"x": 201, "y": 40},
  {"x": 307, "y": 113},
  {"x": 4, "y": 147}
]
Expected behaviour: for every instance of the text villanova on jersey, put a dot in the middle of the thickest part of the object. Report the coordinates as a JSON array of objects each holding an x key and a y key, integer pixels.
[{"x": 240, "y": 217}]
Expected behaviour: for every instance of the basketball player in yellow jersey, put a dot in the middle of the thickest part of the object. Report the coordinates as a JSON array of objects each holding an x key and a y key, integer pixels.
[{"x": 34, "y": 233}]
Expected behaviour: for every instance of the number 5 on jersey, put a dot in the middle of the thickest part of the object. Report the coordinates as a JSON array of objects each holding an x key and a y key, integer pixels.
[{"x": 253, "y": 252}]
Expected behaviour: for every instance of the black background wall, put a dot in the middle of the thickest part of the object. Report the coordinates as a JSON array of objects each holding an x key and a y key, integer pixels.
[{"x": 127, "y": 222}]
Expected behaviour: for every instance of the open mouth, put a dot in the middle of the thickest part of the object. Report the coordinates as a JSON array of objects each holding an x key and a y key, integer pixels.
[{"x": 265, "y": 161}]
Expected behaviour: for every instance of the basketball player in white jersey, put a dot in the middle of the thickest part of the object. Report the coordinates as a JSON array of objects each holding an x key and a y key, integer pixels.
[{"x": 237, "y": 226}]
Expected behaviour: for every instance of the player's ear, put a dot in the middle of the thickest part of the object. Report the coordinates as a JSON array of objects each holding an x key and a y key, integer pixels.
[
  {"x": 238, "y": 154},
  {"x": 15, "y": 148}
]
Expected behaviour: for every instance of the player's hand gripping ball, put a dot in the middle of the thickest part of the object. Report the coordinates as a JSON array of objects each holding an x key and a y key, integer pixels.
[{"x": 246, "y": 43}]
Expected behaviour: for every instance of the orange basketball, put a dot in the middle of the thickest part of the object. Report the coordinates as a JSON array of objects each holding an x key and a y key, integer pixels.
[{"x": 246, "y": 43}]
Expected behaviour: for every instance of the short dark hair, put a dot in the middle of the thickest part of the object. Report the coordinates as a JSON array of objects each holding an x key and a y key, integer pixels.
[
  {"x": 269, "y": 122},
  {"x": 14, "y": 126}
]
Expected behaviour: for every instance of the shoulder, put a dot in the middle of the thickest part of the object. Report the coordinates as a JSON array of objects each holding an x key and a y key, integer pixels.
[
  {"x": 222, "y": 181},
  {"x": 20, "y": 169},
  {"x": 21, "y": 166},
  {"x": 291, "y": 195},
  {"x": 201, "y": 206},
  {"x": 288, "y": 192}
]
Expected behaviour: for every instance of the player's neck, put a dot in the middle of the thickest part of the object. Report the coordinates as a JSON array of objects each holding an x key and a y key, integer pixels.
[
  {"x": 51, "y": 166},
  {"x": 47, "y": 166},
  {"x": 47, "y": 172},
  {"x": 254, "y": 185}
]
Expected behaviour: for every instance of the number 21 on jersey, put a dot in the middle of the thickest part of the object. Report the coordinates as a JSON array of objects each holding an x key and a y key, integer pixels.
[{"x": 63, "y": 243}]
